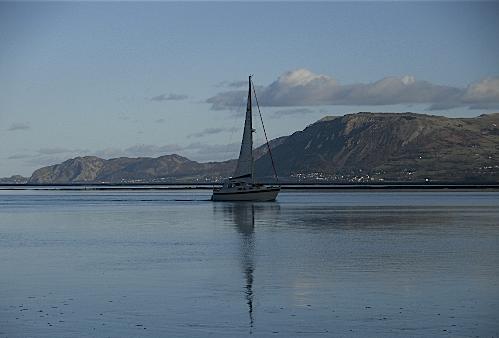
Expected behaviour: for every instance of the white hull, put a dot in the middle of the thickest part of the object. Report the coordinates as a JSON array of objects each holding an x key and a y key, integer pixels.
[{"x": 260, "y": 195}]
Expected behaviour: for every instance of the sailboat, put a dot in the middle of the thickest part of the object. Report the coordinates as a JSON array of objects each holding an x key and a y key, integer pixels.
[{"x": 241, "y": 186}]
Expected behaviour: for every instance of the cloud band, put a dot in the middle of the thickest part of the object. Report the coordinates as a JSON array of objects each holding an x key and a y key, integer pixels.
[{"x": 302, "y": 87}]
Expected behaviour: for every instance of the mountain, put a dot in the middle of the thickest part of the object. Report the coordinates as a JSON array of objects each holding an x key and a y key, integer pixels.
[
  {"x": 362, "y": 147},
  {"x": 169, "y": 168},
  {"x": 390, "y": 147},
  {"x": 14, "y": 179}
]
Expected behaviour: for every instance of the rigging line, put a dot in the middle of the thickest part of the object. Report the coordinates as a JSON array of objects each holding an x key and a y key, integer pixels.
[{"x": 265, "y": 133}]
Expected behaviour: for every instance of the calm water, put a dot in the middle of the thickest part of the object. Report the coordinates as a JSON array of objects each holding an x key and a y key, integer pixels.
[{"x": 312, "y": 264}]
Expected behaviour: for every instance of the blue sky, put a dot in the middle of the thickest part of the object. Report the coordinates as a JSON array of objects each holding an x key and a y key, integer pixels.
[{"x": 148, "y": 79}]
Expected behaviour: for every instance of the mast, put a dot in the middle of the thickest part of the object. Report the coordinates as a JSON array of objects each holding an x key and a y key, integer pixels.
[{"x": 249, "y": 111}]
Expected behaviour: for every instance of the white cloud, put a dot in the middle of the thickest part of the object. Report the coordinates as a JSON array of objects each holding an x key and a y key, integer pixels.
[
  {"x": 19, "y": 126},
  {"x": 169, "y": 97},
  {"x": 55, "y": 150},
  {"x": 292, "y": 111},
  {"x": 237, "y": 84},
  {"x": 19, "y": 156},
  {"x": 232, "y": 84},
  {"x": 302, "y": 87},
  {"x": 228, "y": 100},
  {"x": 408, "y": 79},
  {"x": 483, "y": 94},
  {"x": 211, "y": 131},
  {"x": 304, "y": 77}
]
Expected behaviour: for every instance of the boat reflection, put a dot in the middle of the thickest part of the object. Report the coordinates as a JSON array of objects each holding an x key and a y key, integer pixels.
[{"x": 242, "y": 216}]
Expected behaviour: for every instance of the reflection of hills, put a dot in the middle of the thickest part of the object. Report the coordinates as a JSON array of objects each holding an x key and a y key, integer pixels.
[
  {"x": 242, "y": 215},
  {"x": 367, "y": 238},
  {"x": 368, "y": 217}
]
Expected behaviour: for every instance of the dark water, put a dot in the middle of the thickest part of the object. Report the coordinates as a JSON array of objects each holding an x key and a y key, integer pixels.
[{"x": 363, "y": 264}]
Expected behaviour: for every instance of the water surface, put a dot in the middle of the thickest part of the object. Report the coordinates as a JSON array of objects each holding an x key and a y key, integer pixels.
[{"x": 149, "y": 264}]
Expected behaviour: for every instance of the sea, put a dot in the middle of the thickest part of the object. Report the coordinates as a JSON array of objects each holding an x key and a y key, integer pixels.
[{"x": 134, "y": 263}]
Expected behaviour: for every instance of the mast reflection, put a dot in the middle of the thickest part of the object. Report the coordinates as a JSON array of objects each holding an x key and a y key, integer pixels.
[
  {"x": 242, "y": 216},
  {"x": 244, "y": 219}
]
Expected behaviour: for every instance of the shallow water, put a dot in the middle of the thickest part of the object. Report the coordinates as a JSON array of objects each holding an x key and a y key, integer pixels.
[{"x": 152, "y": 264}]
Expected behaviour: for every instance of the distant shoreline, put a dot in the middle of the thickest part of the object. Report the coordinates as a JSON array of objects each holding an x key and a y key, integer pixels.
[{"x": 287, "y": 187}]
